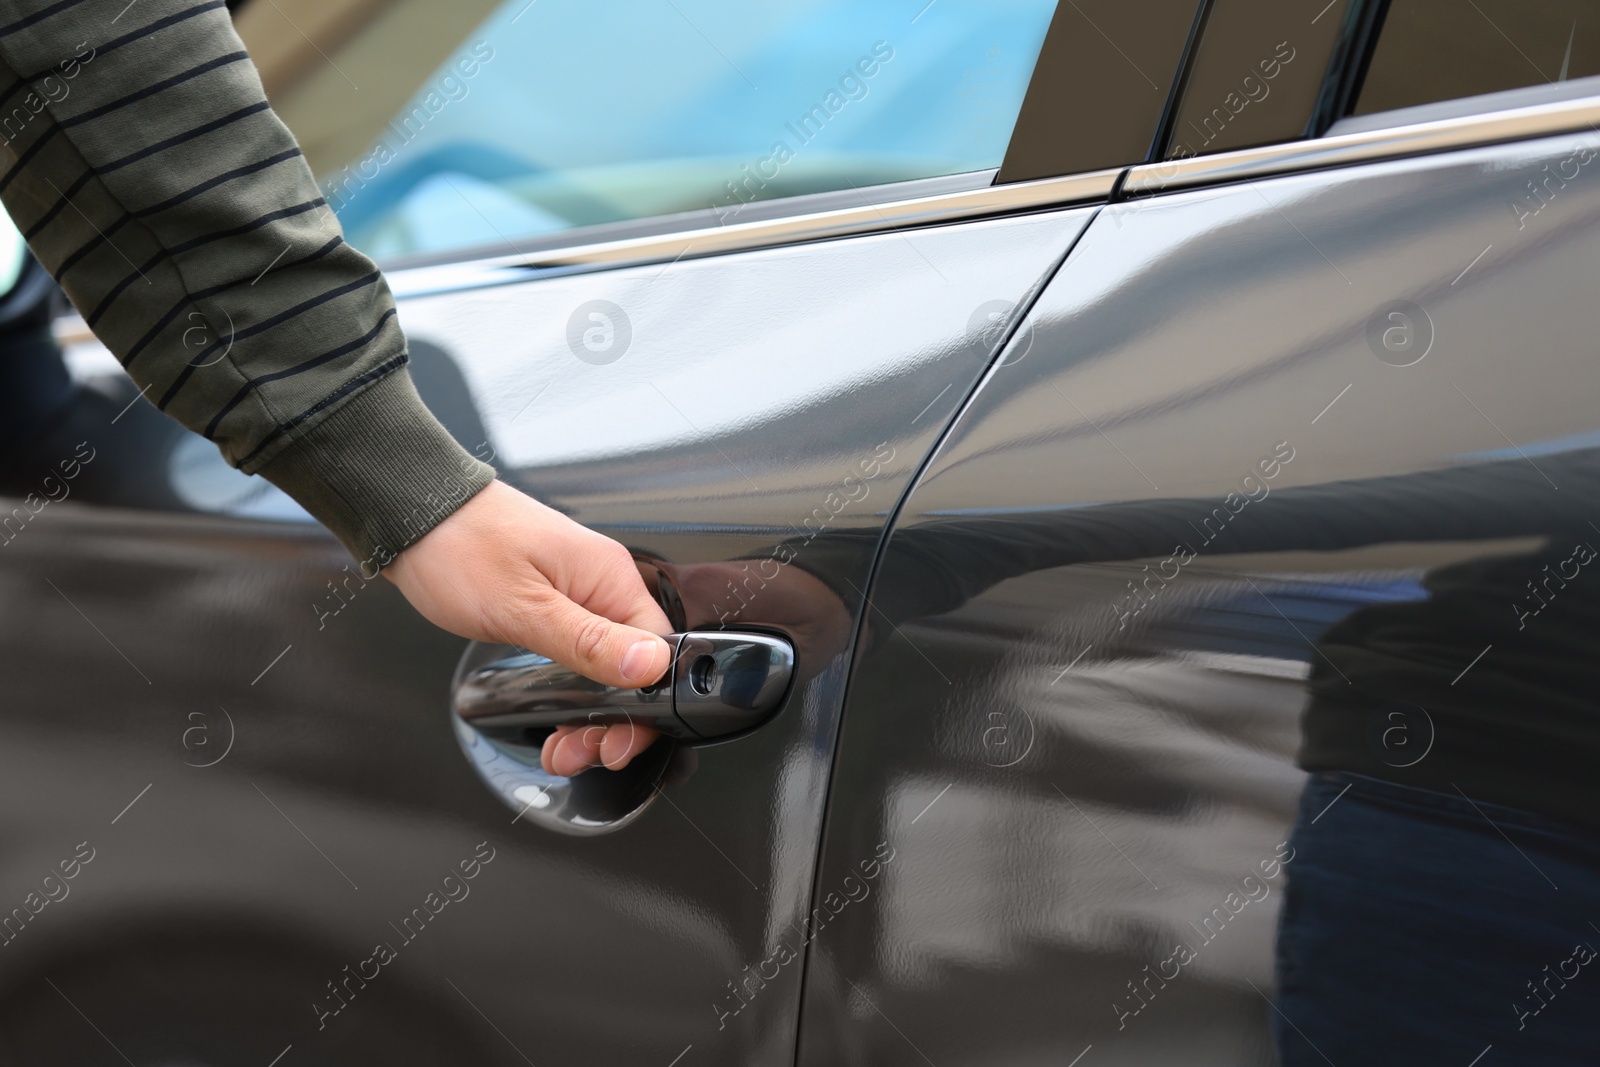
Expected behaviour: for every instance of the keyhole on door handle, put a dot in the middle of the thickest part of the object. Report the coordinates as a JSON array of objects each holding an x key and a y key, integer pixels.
[{"x": 701, "y": 675}]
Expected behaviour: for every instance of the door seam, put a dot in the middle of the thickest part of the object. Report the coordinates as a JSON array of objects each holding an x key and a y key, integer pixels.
[{"x": 1026, "y": 305}]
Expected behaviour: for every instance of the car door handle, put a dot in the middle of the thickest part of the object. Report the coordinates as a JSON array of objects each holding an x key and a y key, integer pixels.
[{"x": 719, "y": 683}]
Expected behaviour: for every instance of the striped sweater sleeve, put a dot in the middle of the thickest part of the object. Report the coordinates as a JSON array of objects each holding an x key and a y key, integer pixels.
[{"x": 140, "y": 159}]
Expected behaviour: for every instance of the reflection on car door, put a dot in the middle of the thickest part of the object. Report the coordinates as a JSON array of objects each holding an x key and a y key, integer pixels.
[{"x": 1274, "y": 476}]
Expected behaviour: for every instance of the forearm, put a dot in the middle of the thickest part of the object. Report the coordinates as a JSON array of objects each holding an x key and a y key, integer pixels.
[{"x": 142, "y": 162}]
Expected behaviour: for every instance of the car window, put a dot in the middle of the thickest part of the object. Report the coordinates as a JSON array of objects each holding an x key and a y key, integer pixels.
[
  {"x": 1256, "y": 74},
  {"x": 1433, "y": 50},
  {"x": 549, "y": 116},
  {"x": 1106, "y": 72}
]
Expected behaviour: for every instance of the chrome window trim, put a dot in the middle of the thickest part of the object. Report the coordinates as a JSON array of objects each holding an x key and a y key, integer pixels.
[
  {"x": 696, "y": 218},
  {"x": 804, "y": 227},
  {"x": 701, "y": 240},
  {"x": 1442, "y": 135},
  {"x": 1464, "y": 106}
]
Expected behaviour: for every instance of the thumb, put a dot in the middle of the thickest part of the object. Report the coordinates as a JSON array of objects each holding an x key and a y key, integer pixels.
[{"x": 594, "y": 646}]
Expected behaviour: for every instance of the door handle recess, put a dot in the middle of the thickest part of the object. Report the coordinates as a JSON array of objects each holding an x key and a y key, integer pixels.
[{"x": 719, "y": 683}]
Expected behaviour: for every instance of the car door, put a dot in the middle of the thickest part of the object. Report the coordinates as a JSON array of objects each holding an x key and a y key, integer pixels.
[
  {"x": 1278, "y": 393},
  {"x": 283, "y": 848}
]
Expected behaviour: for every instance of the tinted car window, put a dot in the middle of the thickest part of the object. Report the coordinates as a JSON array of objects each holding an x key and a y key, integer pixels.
[
  {"x": 1256, "y": 74},
  {"x": 1432, "y": 50},
  {"x": 548, "y": 116},
  {"x": 1104, "y": 78}
]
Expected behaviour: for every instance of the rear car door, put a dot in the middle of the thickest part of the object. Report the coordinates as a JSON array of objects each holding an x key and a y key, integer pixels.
[
  {"x": 731, "y": 360},
  {"x": 1313, "y": 398}
]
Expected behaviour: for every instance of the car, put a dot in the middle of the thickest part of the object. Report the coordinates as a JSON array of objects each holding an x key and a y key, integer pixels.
[{"x": 1117, "y": 427}]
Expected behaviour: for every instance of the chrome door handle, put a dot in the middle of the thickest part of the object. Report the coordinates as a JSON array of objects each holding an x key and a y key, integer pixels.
[{"x": 719, "y": 684}]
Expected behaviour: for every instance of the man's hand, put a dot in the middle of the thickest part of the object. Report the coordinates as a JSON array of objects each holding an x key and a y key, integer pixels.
[{"x": 504, "y": 568}]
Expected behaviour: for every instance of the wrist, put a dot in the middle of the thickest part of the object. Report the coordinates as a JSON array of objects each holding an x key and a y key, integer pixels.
[{"x": 378, "y": 470}]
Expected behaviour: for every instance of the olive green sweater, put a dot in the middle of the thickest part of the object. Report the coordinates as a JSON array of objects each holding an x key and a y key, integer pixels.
[{"x": 140, "y": 159}]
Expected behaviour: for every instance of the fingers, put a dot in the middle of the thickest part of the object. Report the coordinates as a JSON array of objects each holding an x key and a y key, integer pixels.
[
  {"x": 618, "y": 592},
  {"x": 571, "y": 750},
  {"x": 609, "y": 652},
  {"x": 623, "y": 742},
  {"x": 548, "y": 749}
]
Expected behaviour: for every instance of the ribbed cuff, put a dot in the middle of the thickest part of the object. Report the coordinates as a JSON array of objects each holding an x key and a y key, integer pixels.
[{"x": 379, "y": 471}]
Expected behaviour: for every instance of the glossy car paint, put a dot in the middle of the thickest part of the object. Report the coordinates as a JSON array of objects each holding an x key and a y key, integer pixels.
[
  {"x": 256, "y": 743},
  {"x": 1072, "y": 774}
]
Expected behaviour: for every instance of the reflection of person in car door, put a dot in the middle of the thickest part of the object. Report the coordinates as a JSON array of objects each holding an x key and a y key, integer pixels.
[
  {"x": 1446, "y": 874},
  {"x": 1447, "y": 851},
  {"x": 179, "y": 216}
]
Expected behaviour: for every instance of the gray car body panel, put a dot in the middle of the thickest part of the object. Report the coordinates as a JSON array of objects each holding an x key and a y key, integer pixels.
[
  {"x": 1071, "y": 775},
  {"x": 281, "y": 726}
]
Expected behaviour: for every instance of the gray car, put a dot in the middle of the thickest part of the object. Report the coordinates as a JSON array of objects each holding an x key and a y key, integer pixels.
[{"x": 1114, "y": 420}]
